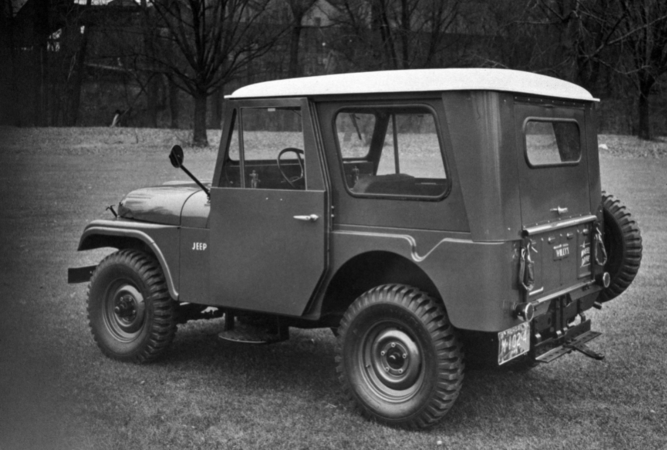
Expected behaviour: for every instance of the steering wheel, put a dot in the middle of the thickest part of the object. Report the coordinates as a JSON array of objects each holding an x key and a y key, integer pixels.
[{"x": 299, "y": 157}]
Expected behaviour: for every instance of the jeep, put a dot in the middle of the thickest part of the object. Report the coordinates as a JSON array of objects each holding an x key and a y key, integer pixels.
[{"x": 427, "y": 217}]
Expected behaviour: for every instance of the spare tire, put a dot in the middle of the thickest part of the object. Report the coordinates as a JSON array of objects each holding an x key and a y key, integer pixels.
[{"x": 623, "y": 243}]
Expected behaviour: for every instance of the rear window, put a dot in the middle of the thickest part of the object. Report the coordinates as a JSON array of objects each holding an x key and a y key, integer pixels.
[{"x": 552, "y": 142}]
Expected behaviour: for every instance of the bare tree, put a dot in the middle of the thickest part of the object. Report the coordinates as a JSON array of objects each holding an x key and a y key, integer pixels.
[
  {"x": 149, "y": 34},
  {"x": 79, "y": 65},
  {"x": 396, "y": 34},
  {"x": 580, "y": 39},
  {"x": 41, "y": 20},
  {"x": 126, "y": 42},
  {"x": 298, "y": 9},
  {"x": 643, "y": 40},
  {"x": 206, "y": 43},
  {"x": 564, "y": 38},
  {"x": 8, "y": 87}
]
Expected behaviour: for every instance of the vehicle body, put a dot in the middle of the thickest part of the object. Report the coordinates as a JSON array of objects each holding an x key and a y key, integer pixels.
[{"x": 419, "y": 213}]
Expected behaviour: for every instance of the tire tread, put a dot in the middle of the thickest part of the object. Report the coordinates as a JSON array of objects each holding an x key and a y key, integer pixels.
[
  {"x": 445, "y": 342},
  {"x": 163, "y": 326},
  {"x": 628, "y": 254}
]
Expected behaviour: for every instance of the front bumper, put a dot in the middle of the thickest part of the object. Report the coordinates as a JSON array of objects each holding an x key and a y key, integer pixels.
[{"x": 80, "y": 274}]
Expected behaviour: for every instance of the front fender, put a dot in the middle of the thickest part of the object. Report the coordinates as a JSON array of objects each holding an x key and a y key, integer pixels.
[{"x": 162, "y": 240}]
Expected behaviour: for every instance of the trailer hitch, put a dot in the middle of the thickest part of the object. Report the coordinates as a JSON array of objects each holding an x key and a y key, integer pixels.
[
  {"x": 577, "y": 343},
  {"x": 581, "y": 347}
]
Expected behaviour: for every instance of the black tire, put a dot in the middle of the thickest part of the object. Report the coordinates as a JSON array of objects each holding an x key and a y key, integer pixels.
[
  {"x": 399, "y": 360},
  {"x": 623, "y": 243},
  {"x": 131, "y": 315}
]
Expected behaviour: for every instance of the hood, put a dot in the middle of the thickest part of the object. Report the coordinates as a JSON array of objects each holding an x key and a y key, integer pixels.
[{"x": 159, "y": 204}]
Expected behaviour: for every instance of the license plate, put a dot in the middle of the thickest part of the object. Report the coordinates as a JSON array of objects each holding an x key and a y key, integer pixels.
[{"x": 513, "y": 342}]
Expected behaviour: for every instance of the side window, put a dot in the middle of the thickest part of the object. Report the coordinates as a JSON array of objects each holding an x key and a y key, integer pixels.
[
  {"x": 266, "y": 150},
  {"x": 355, "y": 131},
  {"x": 552, "y": 142},
  {"x": 391, "y": 151}
]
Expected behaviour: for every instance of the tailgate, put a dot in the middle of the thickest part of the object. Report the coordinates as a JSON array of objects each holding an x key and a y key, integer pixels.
[
  {"x": 555, "y": 193},
  {"x": 562, "y": 255}
]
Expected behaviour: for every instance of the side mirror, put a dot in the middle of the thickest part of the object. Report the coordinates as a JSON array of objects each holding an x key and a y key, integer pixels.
[{"x": 176, "y": 156}]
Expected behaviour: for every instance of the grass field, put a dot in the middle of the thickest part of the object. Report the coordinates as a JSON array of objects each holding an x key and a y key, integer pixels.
[{"x": 57, "y": 391}]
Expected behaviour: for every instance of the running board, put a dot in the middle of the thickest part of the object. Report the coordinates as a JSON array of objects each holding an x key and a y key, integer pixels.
[{"x": 578, "y": 344}]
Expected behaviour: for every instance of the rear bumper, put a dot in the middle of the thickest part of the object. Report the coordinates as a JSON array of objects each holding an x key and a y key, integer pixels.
[
  {"x": 578, "y": 298},
  {"x": 553, "y": 348}
]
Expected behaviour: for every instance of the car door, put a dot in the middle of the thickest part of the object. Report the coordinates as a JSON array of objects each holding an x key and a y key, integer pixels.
[{"x": 269, "y": 211}]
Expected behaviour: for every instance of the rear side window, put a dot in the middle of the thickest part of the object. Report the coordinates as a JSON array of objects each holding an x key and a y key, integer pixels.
[
  {"x": 552, "y": 142},
  {"x": 391, "y": 151}
]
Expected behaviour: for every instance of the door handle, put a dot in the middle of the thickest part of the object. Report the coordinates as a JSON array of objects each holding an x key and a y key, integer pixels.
[
  {"x": 559, "y": 210},
  {"x": 310, "y": 218}
]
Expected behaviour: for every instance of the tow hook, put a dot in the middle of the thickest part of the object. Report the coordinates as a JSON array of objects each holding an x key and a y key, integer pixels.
[
  {"x": 599, "y": 250},
  {"x": 526, "y": 266}
]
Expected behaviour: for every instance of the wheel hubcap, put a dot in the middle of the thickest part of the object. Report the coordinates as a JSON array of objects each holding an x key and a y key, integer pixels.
[
  {"x": 393, "y": 361},
  {"x": 125, "y": 310}
]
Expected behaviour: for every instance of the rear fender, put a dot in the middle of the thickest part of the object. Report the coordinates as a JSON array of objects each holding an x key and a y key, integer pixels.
[
  {"x": 476, "y": 281},
  {"x": 368, "y": 270},
  {"x": 160, "y": 240}
]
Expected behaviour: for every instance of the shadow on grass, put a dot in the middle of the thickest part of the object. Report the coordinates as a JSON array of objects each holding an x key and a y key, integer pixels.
[{"x": 302, "y": 365}]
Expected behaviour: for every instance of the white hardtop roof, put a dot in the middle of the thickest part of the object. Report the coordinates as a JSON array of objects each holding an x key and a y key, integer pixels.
[{"x": 417, "y": 80}]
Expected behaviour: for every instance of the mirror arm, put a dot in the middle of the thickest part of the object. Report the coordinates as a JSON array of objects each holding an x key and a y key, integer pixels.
[
  {"x": 199, "y": 183},
  {"x": 176, "y": 157}
]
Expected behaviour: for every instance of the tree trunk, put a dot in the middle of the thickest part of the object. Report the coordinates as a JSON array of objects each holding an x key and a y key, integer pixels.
[
  {"x": 380, "y": 23},
  {"x": 219, "y": 98},
  {"x": 405, "y": 34},
  {"x": 10, "y": 111},
  {"x": 41, "y": 91},
  {"x": 199, "y": 138},
  {"x": 152, "y": 82},
  {"x": 644, "y": 131},
  {"x": 78, "y": 79},
  {"x": 173, "y": 104},
  {"x": 41, "y": 21},
  {"x": 152, "y": 95},
  {"x": 569, "y": 39},
  {"x": 294, "y": 51}
]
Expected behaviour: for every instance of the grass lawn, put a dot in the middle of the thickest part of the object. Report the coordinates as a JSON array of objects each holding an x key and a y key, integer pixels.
[{"x": 57, "y": 390}]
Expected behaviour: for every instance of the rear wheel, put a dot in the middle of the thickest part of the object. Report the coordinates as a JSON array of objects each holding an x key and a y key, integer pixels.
[
  {"x": 623, "y": 243},
  {"x": 131, "y": 315},
  {"x": 399, "y": 360}
]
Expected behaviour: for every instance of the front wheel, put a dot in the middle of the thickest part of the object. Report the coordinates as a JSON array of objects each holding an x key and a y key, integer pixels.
[
  {"x": 131, "y": 315},
  {"x": 400, "y": 361}
]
